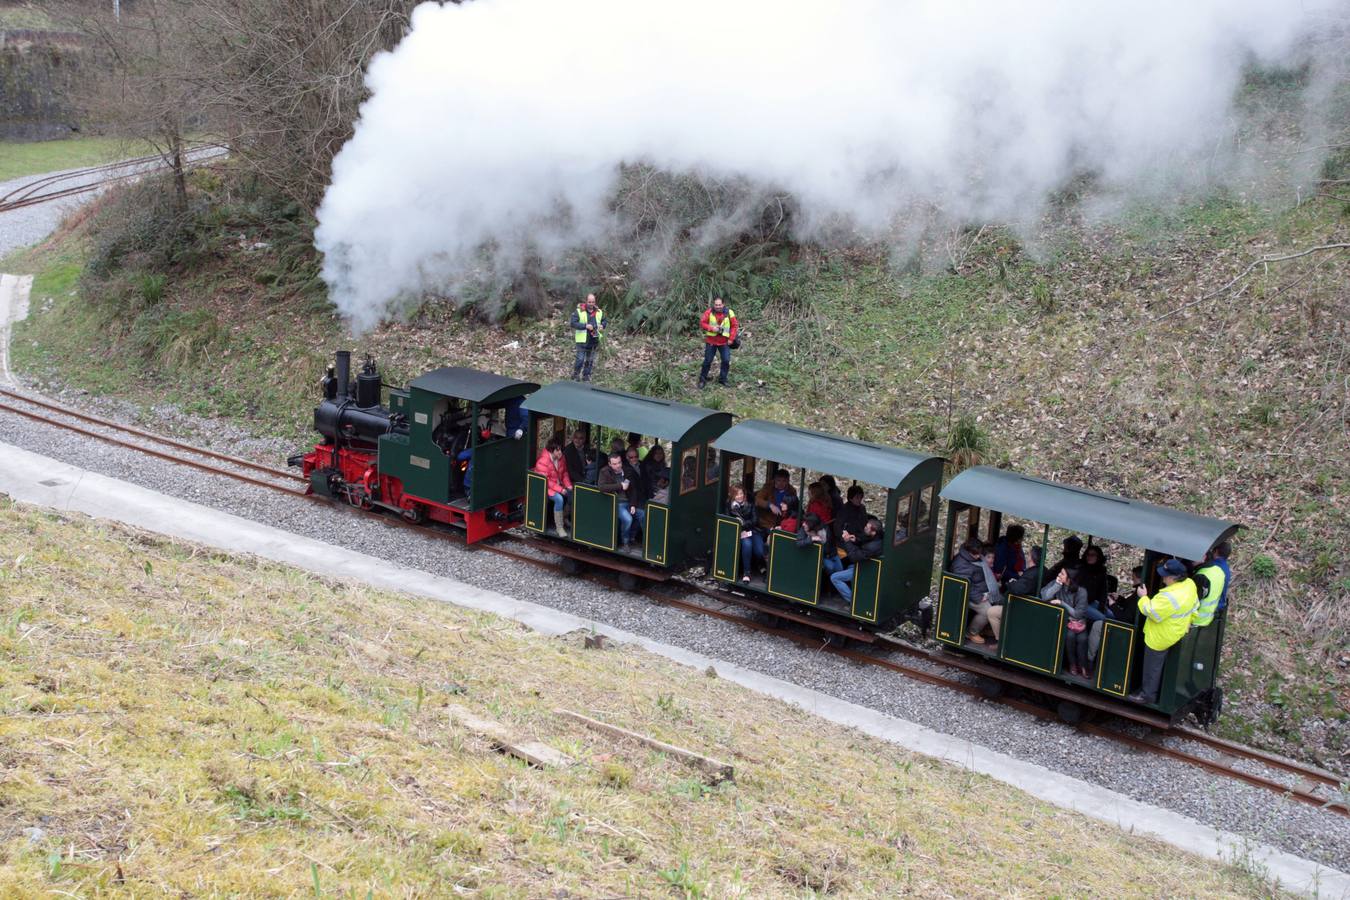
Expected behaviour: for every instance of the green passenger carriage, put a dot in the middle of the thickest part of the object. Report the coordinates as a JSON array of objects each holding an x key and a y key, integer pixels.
[
  {"x": 1032, "y": 631},
  {"x": 677, "y": 532},
  {"x": 884, "y": 588}
]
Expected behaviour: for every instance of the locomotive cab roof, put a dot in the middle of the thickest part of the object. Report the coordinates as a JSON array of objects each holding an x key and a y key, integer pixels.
[
  {"x": 822, "y": 452},
  {"x": 472, "y": 385},
  {"x": 663, "y": 419},
  {"x": 1132, "y": 522}
]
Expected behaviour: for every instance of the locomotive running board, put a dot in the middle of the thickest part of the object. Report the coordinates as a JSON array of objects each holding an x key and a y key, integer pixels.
[{"x": 1052, "y": 688}]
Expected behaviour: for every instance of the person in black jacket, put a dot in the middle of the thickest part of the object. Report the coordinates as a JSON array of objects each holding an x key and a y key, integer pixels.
[
  {"x": 857, "y": 548},
  {"x": 574, "y": 454}
]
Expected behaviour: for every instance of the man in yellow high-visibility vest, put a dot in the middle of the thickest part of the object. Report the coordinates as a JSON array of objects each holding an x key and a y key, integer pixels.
[
  {"x": 588, "y": 329},
  {"x": 719, "y": 326},
  {"x": 1167, "y": 618}
]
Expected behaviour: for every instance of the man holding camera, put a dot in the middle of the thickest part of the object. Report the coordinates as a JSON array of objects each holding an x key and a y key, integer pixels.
[
  {"x": 588, "y": 327},
  {"x": 719, "y": 339}
]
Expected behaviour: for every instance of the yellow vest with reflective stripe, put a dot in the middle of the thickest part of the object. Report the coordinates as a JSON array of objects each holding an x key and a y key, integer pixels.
[
  {"x": 1168, "y": 614},
  {"x": 581, "y": 334},
  {"x": 1204, "y": 612},
  {"x": 723, "y": 328}
]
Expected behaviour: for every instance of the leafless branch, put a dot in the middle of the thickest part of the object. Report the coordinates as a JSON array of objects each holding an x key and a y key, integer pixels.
[{"x": 1245, "y": 272}]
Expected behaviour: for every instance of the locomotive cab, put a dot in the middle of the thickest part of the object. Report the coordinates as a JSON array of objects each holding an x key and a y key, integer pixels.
[{"x": 1032, "y": 632}]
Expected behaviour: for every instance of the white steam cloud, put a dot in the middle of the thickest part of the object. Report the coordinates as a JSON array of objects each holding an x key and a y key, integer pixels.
[{"x": 503, "y": 123}]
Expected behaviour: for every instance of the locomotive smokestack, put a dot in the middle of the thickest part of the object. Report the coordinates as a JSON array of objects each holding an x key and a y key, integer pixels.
[{"x": 344, "y": 374}]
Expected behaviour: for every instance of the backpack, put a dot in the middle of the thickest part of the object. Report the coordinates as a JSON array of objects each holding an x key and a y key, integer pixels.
[{"x": 1201, "y": 585}]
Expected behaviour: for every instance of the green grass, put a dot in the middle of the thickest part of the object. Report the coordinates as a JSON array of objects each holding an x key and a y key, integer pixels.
[
  {"x": 332, "y": 765},
  {"x": 28, "y": 17},
  {"x": 21, "y": 159}
]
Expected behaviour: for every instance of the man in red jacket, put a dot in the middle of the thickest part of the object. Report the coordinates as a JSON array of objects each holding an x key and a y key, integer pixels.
[{"x": 719, "y": 333}]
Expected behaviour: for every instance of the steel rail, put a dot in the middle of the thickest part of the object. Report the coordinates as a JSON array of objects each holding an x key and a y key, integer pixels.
[
  {"x": 26, "y": 195},
  {"x": 1217, "y": 767},
  {"x": 146, "y": 435},
  {"x": 28, "y": 188}
]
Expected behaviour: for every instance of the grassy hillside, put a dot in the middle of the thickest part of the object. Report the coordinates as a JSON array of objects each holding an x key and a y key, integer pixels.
[
  {"x": 176, "y": 721},
  {"x": 1154, "y": 356}
]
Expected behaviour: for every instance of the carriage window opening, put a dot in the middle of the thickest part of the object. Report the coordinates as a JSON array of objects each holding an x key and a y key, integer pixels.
[
  {"x": 903, "y": 519},
  {"x": 712, "y": 469},
  {"x": 689, "y": 470},
  {"x": 963, "y": 524},
  {"x": 926, "y": 515}
]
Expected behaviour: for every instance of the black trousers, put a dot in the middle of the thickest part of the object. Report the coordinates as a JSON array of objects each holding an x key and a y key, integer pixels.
[
  {"x": 1153, "y": 670},
  {"x": 711, "y": 350}
]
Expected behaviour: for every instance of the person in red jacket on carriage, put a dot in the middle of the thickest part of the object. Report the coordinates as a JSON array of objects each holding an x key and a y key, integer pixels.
[{"x": 719, "y": 338}]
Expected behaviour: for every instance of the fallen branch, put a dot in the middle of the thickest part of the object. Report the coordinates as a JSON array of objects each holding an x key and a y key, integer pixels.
[
  {"x": 719, "y": 771},
  {"x": 1245, "y": 272}
]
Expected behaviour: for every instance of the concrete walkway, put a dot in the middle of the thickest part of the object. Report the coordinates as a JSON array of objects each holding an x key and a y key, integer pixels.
[
  {"x": 36, "y": 479},
  {"x": 13, "y": 308}
]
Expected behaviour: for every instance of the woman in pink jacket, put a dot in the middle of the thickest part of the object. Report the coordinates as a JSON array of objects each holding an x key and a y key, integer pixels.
[{"x": 552, "y": 466}]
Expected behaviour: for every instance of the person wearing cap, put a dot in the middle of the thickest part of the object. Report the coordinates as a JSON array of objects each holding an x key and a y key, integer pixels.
[
  {"x": 1167, "y": 618},
  {"x": 720, "y": 327},
  {"x": 588, "y": 329}
]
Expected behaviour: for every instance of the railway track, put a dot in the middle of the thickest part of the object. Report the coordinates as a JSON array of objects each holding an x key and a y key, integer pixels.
[
  {"x": 58, "y": 186},
  {"x": 1307, "y": 784}
]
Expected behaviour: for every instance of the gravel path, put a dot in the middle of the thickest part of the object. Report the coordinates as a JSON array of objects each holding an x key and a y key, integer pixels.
[
  {"x": 1222, "y": 803},
  {"x": 26, "y": 226}
]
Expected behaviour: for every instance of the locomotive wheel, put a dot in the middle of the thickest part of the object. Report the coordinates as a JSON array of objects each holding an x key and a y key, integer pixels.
[
  {"x": 990, "y": 688},
  {"x": 416, "y": 514},
  {"x": 1069, "y": 713},
  {"x": 628, "y": 581},
  {"x": 571, "y": 566}
]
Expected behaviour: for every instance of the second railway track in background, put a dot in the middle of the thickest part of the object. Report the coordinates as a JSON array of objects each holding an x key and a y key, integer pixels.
[
  {"x": 55, "y": 186},
  {"x": 1225, "y": 761}
]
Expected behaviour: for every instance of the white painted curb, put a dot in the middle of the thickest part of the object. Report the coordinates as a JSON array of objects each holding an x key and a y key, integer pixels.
[{"x": 36, "y": 479}]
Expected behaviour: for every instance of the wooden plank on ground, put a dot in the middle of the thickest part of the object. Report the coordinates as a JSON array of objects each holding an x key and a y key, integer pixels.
[
  {"x": 536, "y": 753},
  {"x": 717, "y": 770}
]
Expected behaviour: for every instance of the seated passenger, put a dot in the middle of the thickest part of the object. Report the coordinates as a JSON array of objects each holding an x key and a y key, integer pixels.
[
  {"x": 1092, "y": 575},
  {"x": 986, "y": 599},
  {"x": 1073, "y": 550},
  {"x": 634, "y": 472},
  {"x": 575, "y": 454},
  {"x": 857, "y": 549},
  {"x": 654, "y": 465},
  {"x": 550, "y": 464},
  {"x": 1167, "y": 618},
  {"x": 635, "y": 444},
  {"x": 853, "y": 517},
  {"x": 832, "y": 494},
  {"x": 1026, "y": 583},
  {"x": 612, "y": 480},
  {"x": 662, "y": 492},
  {"x": 1065, "y": 591},
  {"x": 1009, "y": 560},
  {"x": 812, "y": 531},
  {"x": 776, "y": 501},
  {"x": 818, "y": 502},
  {"x": 689, "y": 474},
  {"x": 752, "y": 539}
]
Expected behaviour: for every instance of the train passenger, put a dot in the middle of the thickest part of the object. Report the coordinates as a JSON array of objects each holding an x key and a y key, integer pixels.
[
  {"x": 1167, "y": 618},
  {"x": 689, "y": 474},
  {"x": 853, "y": 517},
  {"x": 1215, "y": 570},
  {"x": 1067, "y": 592},
  {"x": 551, "y": 465},
  {"x": 1092, "y": 575},
  {"x": 639, "y": 489},
  {"x": 1072, "y": 556},
  {"x": 588, "y": 330},
  {"x": 812, "y": 531},
  {"x": 776, "y": 501},
  {"x": 832, "y": 493},
  {"x": 613, "y": 480},
  {"x": 986, "y": 599},
  {"x": 752, "y": 539},
  {"x": 575, "y": 454},
  {"x": 635, "y": 443},
  {"x": 858, "y": 548},
  {"x": 818, "y": 502},
  {"x": 1009, "y": 560},
  {"x": 1027, "y": 584},
  {"x": 516, "y": 418},
  {"x": 662, "y": 492},
  {"x": 655, "y": 464}
]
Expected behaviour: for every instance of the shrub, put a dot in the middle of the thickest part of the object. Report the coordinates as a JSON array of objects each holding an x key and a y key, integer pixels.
[
  {"x": 967, "y": 444},
  {"x": 1263, "y": 566}
]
